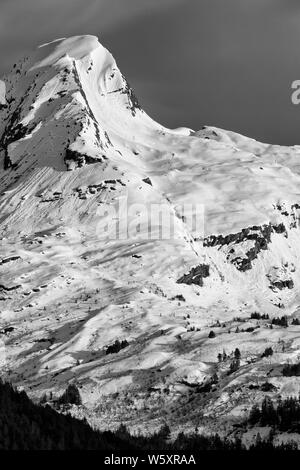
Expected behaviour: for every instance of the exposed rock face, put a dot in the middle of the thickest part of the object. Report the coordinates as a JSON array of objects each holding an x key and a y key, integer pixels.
[
  {"x": 133, "y": 103},
  {"x": 75, "y": 159},
  {"x": 287, "y": 284},
  {"x": 148, "y": 181},
  {"x": 9, "y": 259},
  {"x": 11, "y": 288},
  {"x": 261, "y": 237},
  {"x": 195, "y": 276}
]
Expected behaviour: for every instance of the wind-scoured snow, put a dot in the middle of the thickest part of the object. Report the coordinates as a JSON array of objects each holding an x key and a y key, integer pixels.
[{"x": 75, "y": 145}]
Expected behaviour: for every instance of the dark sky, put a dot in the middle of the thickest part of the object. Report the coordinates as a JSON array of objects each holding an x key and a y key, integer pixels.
[{"x": 228, "y": 63}]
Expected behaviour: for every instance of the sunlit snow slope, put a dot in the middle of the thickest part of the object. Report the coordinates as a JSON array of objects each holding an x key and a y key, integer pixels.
[{"x": 75, "y": 147}]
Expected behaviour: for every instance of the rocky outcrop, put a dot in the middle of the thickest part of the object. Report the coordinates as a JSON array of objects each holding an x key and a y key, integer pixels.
[
  {"x": 195, "y": 276},
  {"x": 147, "y": 181},
  {"x": 9, "y": 259},
  {"x": 8, "y": 289},
  {"x": 133, "y": 103},
  {"x": 286, "y": 284},
  {"x": 74, "y": 159},
  {"x": 260, "y": 235},
  {"x": 14, "y": 129}
]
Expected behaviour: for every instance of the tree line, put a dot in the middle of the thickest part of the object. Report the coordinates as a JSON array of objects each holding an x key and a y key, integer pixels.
[{"x": 25, "y": 425}]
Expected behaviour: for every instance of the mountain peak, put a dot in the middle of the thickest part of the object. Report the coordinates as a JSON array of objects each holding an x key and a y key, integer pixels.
[
  {"x": 75, "y": 47},
  {"x": 70, "y": 100},
  {"x": 117, "y": 233}
]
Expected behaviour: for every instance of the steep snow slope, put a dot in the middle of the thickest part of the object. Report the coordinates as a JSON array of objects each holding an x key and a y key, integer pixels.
[{"x": 82, "y": 165}]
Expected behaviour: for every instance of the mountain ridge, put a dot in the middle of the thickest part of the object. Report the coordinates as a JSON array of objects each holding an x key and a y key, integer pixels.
[{"x": 82, "y": 167}]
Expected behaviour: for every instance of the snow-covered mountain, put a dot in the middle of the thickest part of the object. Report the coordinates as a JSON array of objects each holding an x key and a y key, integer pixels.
[{"x": 82, "y": 165}]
